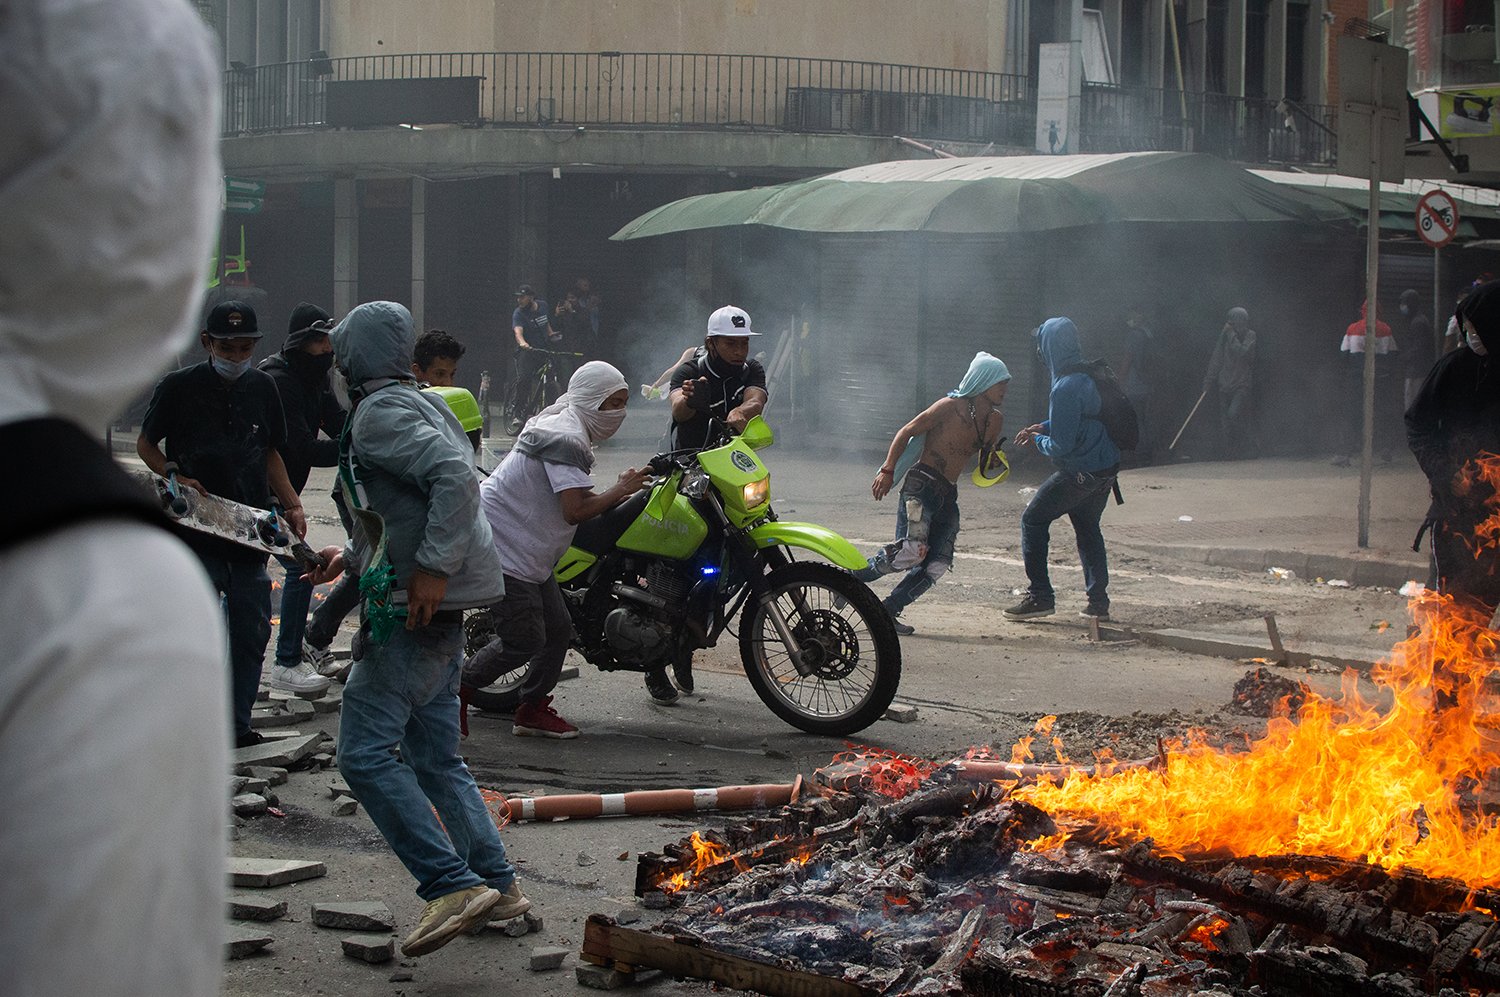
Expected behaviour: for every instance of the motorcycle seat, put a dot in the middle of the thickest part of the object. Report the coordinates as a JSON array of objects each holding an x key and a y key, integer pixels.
[{"x": 599, "y": 535}]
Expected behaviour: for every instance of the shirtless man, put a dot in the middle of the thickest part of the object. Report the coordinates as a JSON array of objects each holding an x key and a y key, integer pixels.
[{"x": 933, "y": 450}]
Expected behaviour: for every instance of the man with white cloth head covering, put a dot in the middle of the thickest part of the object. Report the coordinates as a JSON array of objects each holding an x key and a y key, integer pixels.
[
  {"x": 929, "y": 453},
  {"x": 111, "y": 882},
  {"x": 534, "y": 501}
]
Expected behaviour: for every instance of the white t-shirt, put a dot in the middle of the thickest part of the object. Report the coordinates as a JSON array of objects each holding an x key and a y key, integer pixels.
[{"x": 519, "y": 498}]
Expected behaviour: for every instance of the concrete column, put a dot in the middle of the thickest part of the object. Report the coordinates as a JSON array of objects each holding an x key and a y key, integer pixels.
[
  {"x": 1113, "y": 18},
  {"x": 1315, "y": 57},
  {"x": 1276, "y": 50},
  {"x": 345, "y": 245},
  {"x": 1069, "y": 22},
  {"x": 418, "y": 251},
  {"x": 1234, "y": 48},
  {"x": 1158, "y": 44},
  {"x": 528, "y": 231},
  {"x": 1195, "y": 46}
]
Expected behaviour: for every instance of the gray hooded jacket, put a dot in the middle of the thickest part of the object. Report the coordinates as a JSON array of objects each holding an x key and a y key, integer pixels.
[{"x": 414, "y": 461}]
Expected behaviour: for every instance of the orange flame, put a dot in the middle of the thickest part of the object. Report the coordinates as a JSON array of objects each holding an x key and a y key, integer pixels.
[
  {"x": 1357, "y": 778},
  {"x": 705, "y": 854}
]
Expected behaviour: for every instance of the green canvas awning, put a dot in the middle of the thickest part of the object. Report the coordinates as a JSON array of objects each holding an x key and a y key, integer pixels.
[{"x": 998, "y": 195}]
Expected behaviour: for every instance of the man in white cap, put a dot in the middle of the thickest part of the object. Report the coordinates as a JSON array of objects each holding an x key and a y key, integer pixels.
[
  {"x": 724, "y": 385},
  {"x": 111, "y": 879}
]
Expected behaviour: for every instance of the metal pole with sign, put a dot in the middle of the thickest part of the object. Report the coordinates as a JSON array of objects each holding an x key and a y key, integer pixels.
[
  {"x": 1372, "y": 144},
  {"x": 1437, "y": 224}
]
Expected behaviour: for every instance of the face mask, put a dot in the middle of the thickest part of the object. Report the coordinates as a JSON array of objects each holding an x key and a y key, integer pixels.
[
  {"x": 601, "y": 425},
  {"x": 720, "y": 366},
  {"x": 1474, "y": 342},
  {"x": 311, "y": 366},
  {"x": 230, "y": 370},
  {"x": 339, "y": 383}
]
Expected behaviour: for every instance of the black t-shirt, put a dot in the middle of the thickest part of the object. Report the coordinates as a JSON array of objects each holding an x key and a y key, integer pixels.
[
  {"x": 219, "y": 432},
  {"x": 533, "y": 322},
  {"x": 724, "y": 395}
]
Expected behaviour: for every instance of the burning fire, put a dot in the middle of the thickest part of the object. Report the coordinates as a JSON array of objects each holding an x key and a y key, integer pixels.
[
  {"x": 705, "y": 854},
  {"x": 1389, "y": 780}
]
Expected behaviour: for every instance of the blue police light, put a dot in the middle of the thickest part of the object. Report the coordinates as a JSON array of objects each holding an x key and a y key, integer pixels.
[{"x": 710, "y": 570}]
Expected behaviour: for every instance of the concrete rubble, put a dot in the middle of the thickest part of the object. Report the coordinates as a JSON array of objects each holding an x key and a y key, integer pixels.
[
  {"x": 363, "y": 915},
  {"x": 240, "y": 941},
  {"x": 345, "y": 807},
  {"x": 243, "y": 907},
  {"x": 547, "y": 957},
  {"x": 369, "y": 950},
  {"x": 264, "y": 873},
  {"x": 249, "y": 804},
  {"x": 281, "y": 753}
]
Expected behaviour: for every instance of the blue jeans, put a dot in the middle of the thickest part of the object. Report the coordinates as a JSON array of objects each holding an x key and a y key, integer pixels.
[
  {"x": 1081, "y": 496},
  {"x": 935, "y": 499},
  {"x": 245, "y": 593},
  {"x": 404, "y": 694},
  {"x": 296, "y": 597}
]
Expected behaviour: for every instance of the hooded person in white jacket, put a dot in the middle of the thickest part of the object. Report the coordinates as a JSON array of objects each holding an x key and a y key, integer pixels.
[{"x": 111, "y": 876}]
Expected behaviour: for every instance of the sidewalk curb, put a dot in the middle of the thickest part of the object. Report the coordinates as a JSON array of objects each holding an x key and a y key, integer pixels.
[{"x": 1386, "y": 572}]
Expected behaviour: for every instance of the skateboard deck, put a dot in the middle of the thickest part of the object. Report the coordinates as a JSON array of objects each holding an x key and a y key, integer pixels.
[{"x": 258, "y": 529}]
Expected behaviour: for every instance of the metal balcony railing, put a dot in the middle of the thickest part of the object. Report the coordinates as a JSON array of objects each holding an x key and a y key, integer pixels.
[
  {"x": 651, "y": 90},
  {"x": 672, "y": 90},
  {"x": 1242, "y": 129}
]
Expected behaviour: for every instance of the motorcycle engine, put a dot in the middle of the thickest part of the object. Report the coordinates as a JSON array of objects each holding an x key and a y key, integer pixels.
[{"x": 636, "y": 637}]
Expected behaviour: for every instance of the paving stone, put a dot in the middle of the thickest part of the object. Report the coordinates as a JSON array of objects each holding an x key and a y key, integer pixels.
[
  {"x": 281, "y": 733},
  {"x": 369, "y": 950},
  {"x": 249, "y": 804},
  {"x": 516, "y": 927},
  {"x": 901, "y": 713},
  {"x": 337, "y": 789},
  {"x": 358, "y": 915},
  {"x": 240, "y": 941},
  {"x": 281, "y": 753},
  {"x": 237, "y": 784},
  {"x": 274, "y": 776},
  {"x": 256, "y": 786},
  {"x": 245, "y": 907},
  {"x": 533, "y": 922},
  {"x": 262, "y": 873},
  {"x": 262, "y": 719},
  {"x": 547, "y": 957},
  {"x": 301, "y": 708},
  {"x": 322, "y": 760},
  {"x": 627, "y": 915},
  {"x": 568, "y": 672},
  {"x": 331, "y": 702},
  {"x": 602, "y": 978},
  {"x": 345, "y": 807}
]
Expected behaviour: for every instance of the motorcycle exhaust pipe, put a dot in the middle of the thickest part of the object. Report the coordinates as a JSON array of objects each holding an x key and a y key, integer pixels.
[{"x": 639, "y": 595}]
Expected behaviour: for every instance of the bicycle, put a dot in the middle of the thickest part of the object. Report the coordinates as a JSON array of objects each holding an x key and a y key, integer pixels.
[{"x": 538, "y": 390}]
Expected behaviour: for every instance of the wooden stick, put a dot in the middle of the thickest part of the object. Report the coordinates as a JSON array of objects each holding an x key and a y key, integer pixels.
[{"x": 1189, "y": 419}]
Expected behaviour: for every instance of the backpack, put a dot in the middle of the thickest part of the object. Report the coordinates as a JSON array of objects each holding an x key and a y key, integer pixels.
[{"x": 1115, "y": 410}]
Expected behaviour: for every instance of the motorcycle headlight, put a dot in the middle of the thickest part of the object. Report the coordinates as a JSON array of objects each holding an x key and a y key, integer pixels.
[
  {"x": 757, "y": 492},
  {"x": 694, "y": 484}
]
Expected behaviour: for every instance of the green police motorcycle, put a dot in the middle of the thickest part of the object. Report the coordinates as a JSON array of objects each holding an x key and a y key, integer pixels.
[{"x": 666, "y": 572}]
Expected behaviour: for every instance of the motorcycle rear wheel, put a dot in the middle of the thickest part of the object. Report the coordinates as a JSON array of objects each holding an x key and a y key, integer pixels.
[
  {"x": 504, "y": 694},
  {"x": 856, "y": 654}
]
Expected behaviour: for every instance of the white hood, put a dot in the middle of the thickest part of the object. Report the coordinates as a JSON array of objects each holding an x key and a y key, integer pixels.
[{"x": 110, "y": 185}]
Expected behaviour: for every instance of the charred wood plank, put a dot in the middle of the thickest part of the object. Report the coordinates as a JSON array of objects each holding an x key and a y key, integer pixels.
[
  {"x": 603, "y": 938},
  {"x": 1467, "y": 935}
]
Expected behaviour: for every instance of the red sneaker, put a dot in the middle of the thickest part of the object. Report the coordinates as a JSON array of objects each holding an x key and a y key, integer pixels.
[{"x": 541, "y": 720}]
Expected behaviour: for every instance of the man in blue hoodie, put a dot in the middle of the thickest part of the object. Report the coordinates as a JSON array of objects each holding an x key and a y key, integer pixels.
[
  {"x": 1087, "y": 461},
  {"x": 408, "y": 472}
]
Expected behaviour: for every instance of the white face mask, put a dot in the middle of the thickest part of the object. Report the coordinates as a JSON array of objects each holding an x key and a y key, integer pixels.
[
  {"x": 1472, "y": 339},
  {"x": 601, "y": 424},
  {"x": 339, "y": 384},
  {"x": 230, "y": 370}
]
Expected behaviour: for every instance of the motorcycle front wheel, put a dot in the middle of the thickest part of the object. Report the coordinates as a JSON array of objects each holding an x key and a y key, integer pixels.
[
  {"x": 504, "y": 694},
  {"x": 849, "y": 645}
]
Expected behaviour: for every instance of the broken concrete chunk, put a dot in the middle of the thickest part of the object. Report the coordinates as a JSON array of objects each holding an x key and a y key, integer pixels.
[
  {"x": 249, "y": 804},
  {"x": 514, "y": 928},
  {"x": 362, "y": 915},
  {"x": 901, "y": 713},
  {"x": 237, "y": 784},
  {"x": 322, "y": 760},
  {"x": 240, "y": 941},
  {"x": 273, "y": 776},
  {"x": 568, "y": 672},
  {"x": 369, "y": 950},
  {"x": 331, "y": 702},
  {"x": 263, "y": 719},
  {"x": 584, "y": 858},
  {"x": 627, "y": 915},
  {"x": 547, "y": 957},
  {"x": 656, "y": 900},
  {"x": 281, "y": 753},
  {"x": 337, "y": 789},
  {"x": 345, "y": 807},
  {"x": 250, "y": 908},
  {"x": 533, "y": 921},
  {"x": 262, "y": 873},
  {"x": 256, "y": 786},
  {"x": 301, "y": 708}
]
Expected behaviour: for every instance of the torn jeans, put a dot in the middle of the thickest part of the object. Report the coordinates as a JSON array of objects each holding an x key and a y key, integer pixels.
[{"x": 927, "y": 522}]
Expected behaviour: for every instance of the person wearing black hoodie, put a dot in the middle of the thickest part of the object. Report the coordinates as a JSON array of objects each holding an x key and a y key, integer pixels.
[
  {"x": 300, "y": 371},
  {"x": 1452, "y": 421}
]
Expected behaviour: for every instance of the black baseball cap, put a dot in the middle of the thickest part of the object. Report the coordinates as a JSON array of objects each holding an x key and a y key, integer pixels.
[
  {"x": 232, "y": 320},
  {"x": 525, "y": 290}
]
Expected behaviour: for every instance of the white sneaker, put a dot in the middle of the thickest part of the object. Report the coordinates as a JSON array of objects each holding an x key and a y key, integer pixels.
[
  {"x": 321, "y": 659},
  {"x": 300, "y": 679}
]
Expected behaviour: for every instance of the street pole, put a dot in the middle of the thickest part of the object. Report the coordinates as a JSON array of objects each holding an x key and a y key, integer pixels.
[
  {"x": 1372, "y": 281},
  {"x": 1437, "y": 304}
]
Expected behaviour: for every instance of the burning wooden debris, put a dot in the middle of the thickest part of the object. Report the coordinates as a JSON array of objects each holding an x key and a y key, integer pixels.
[{"x": 1346, "y": 852}]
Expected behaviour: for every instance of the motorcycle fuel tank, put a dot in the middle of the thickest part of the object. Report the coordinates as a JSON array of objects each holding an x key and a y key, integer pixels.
[{"x": 677, "y": 534}]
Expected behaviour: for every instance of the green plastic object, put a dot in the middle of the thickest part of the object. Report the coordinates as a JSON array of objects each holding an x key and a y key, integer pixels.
[
  {"x": 757, "y": 434},
  {"x": 461, "y": 403}
]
